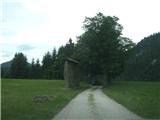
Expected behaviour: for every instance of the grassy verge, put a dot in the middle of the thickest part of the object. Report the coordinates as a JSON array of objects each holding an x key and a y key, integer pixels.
[
  {"x": 143, "y": 98},
  {"x": 20, "y": 98}
]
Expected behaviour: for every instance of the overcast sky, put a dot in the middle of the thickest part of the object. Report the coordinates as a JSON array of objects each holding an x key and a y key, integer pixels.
[{"x": 37, "y": 26}]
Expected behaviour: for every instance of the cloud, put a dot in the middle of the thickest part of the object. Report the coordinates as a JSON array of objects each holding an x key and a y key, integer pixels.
[
  {"x": 12, "y": 11},
  {"x": 17, "y": 13},
  {"x": 24, "y": 47},
  {"x": 7, "y": 33},
  {"x": 47, "y": 23},
  {"x": 6, "y": 54}
]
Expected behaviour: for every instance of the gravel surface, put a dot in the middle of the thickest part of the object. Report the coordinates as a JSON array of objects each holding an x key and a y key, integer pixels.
[{"x": 93, "y": 104}]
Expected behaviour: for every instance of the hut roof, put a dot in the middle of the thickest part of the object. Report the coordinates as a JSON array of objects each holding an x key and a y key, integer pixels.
[{"x": 72, "y": 60}]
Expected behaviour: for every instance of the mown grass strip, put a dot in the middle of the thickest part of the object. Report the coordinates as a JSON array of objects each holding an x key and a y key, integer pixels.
[{"x": 143, "y": 98}]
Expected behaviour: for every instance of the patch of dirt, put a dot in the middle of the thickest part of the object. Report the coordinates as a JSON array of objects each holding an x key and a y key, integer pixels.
[{"x": 42, "y": 98}]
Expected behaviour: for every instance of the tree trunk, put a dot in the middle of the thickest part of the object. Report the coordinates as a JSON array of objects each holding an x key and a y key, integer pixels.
[{"x": 107, "y": 79}]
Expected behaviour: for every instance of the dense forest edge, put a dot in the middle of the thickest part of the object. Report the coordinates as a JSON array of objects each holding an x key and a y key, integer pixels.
[
  {"x": 103, "y": 53},
  {"x": 144, "y": 63}
]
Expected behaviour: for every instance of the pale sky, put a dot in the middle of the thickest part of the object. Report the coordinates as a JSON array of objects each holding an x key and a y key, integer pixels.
[{"x": 37, "y": 26}]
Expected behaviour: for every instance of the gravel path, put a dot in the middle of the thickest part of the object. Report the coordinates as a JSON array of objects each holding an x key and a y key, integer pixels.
[{"x": 93, "y": 104}]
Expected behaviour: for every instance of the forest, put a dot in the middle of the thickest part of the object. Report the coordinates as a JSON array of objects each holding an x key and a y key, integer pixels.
[{"x": 103, "y": 52}]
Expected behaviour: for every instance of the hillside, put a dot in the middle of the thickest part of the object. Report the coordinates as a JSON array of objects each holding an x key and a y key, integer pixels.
[
  {"x": 5, "y": 69},
  {"x": 6, "y": 64},
  {"x": 144, "y": 63}
]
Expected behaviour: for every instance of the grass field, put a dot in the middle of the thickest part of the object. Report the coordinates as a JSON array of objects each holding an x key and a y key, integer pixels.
[
  {"x": 20, "y": 98},
  {"x": 143, "y": 98}
]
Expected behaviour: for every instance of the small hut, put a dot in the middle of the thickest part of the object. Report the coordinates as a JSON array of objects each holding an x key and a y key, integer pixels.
[{"x": 72, "y": 73}]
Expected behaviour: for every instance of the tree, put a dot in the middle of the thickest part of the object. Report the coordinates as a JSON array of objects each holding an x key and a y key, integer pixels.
[
  {"x": 69, "y": 48},
  {"x": 19, "y": 66},
  {"x": 47, "y": 66},
  {"x": 144, "y": 62},
  {"x": 54, "y": 55},
  {"x": 59, "y": 63},
  {"x": 38, "y": 70},
  {"x": 5, "y": 73},
  {"x": 54, "y": 58},
  {"x": 101, "y": 46},
  {"x": 32, "y": 69},
  {"x": 63, "y": 53}
]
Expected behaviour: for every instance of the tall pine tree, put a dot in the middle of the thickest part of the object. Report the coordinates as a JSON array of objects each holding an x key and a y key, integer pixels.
[{"x": 19, "y": 66}]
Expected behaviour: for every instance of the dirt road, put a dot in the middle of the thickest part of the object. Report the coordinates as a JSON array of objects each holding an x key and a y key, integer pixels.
[{"x": 93, "y": 104}]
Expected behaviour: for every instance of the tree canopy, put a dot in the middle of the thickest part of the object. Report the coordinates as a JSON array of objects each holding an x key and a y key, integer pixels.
[
  {"x": 100, "y": 50},
  {"x": 144, "y": 63},
  {"x": 19, "y": 66}
]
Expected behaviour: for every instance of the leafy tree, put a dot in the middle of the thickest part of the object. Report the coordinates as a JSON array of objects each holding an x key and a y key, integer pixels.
[
  {"x": 144, "y": 62},
  {"x": 19, "y": 66},
  {"x": 101, "y": 50},
  {"x": 100, "y": 47}
]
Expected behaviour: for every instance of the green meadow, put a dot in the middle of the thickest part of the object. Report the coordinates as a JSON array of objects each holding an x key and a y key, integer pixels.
[
  {"x": 142, "y": 98},
  {"x": 34, "y": 99},
  {"x": 43, "y": 99}
]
